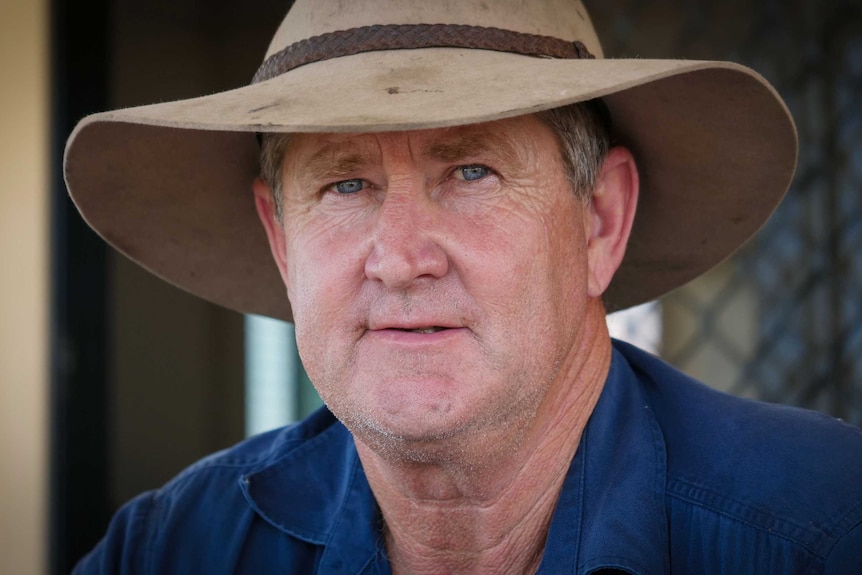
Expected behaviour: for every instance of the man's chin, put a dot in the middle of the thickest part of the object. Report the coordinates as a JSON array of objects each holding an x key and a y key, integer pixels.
[{"x": 395, "y": 441}]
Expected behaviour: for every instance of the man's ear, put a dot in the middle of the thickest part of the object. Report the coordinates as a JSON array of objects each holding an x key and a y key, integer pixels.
[
  {"x": 274, "y": 227},
  {"x": 612, "y": 211}
]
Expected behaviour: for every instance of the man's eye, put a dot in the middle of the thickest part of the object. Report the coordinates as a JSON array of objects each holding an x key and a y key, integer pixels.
[
  {"x": 349, "y": 186},
  {"x": 473, "y": 172}
]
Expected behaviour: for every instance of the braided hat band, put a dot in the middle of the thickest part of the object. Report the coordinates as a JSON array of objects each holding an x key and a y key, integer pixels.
[{"x": 415, "y": 36}]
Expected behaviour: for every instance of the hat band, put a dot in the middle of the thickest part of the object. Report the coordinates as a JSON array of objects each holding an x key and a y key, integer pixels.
[{"x": 414, "y": 36}]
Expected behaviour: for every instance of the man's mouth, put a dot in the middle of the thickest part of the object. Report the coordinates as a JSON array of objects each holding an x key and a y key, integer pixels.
[{"x": 431, "y": 329}]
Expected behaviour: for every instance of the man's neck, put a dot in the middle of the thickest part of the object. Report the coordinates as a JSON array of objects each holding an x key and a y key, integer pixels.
[{"x": 491, "y": 515}]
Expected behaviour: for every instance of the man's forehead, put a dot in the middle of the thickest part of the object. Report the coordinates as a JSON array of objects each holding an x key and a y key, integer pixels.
[{"x": 445, "y": 144}]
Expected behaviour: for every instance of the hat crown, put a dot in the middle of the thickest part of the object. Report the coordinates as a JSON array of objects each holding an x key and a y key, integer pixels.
[{"x": 564, "y": 19}]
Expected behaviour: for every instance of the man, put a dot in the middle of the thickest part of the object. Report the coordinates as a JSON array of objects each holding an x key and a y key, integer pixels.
[{"x": 451, "y": 210}]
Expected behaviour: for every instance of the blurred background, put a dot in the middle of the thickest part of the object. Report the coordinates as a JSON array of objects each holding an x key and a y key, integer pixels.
[{"x": 112, "y": 381}]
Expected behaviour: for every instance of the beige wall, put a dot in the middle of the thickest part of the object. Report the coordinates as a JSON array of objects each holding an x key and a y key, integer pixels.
[{"x": 24, "y": 184}]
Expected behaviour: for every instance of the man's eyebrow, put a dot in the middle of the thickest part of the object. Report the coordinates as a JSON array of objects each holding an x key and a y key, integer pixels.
[
  {"x": 331, "y": 162},
  {"x": 470, "y": 145}
]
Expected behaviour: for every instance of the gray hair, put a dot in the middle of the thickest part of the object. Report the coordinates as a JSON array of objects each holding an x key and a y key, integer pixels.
[
  {"x": 583, "y": 131},
  {"x": 584, "y": 134}
]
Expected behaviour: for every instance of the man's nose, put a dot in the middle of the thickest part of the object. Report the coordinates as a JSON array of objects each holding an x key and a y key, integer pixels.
[{"x": 406, "y": 245}]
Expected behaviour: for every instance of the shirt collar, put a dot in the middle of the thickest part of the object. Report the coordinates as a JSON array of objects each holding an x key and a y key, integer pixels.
[
  {"x": 610, "y": 515},
  {"x": 335, "y": 499}
]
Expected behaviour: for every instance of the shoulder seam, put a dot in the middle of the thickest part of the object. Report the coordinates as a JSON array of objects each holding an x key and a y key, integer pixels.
[{"x": 684, "y": 491}]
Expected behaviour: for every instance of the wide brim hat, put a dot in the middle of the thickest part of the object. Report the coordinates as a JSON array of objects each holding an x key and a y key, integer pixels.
[{"x": 169, "y": 185}]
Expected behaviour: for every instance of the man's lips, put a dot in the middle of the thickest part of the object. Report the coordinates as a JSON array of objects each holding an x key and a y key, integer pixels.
[
  {"x": 413, "y": 332},
  {"x": 430, "y": 329},
  {"x": 413, "y": 325}
]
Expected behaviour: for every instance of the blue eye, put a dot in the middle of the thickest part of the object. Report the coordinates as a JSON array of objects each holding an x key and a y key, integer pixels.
[
  {"x": 349, "y": 186},
  {"x": 471, "y": 173}
]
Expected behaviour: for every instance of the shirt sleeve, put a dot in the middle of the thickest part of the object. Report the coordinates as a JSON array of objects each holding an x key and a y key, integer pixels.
[{"x": 123, "y": 549}]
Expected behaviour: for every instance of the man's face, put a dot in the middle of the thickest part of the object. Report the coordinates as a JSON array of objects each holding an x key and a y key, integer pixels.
[{"x": 438, "y": 278}]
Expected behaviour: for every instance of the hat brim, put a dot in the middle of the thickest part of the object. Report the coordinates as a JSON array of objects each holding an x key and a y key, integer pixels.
[{"x": 169, "y": 185}]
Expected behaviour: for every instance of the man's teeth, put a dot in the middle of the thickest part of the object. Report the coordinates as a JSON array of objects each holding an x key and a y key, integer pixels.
[{"x": 426, "y": 330}]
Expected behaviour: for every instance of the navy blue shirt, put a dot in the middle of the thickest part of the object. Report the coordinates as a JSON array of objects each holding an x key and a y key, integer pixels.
[{"x": 670, "y": 476}]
